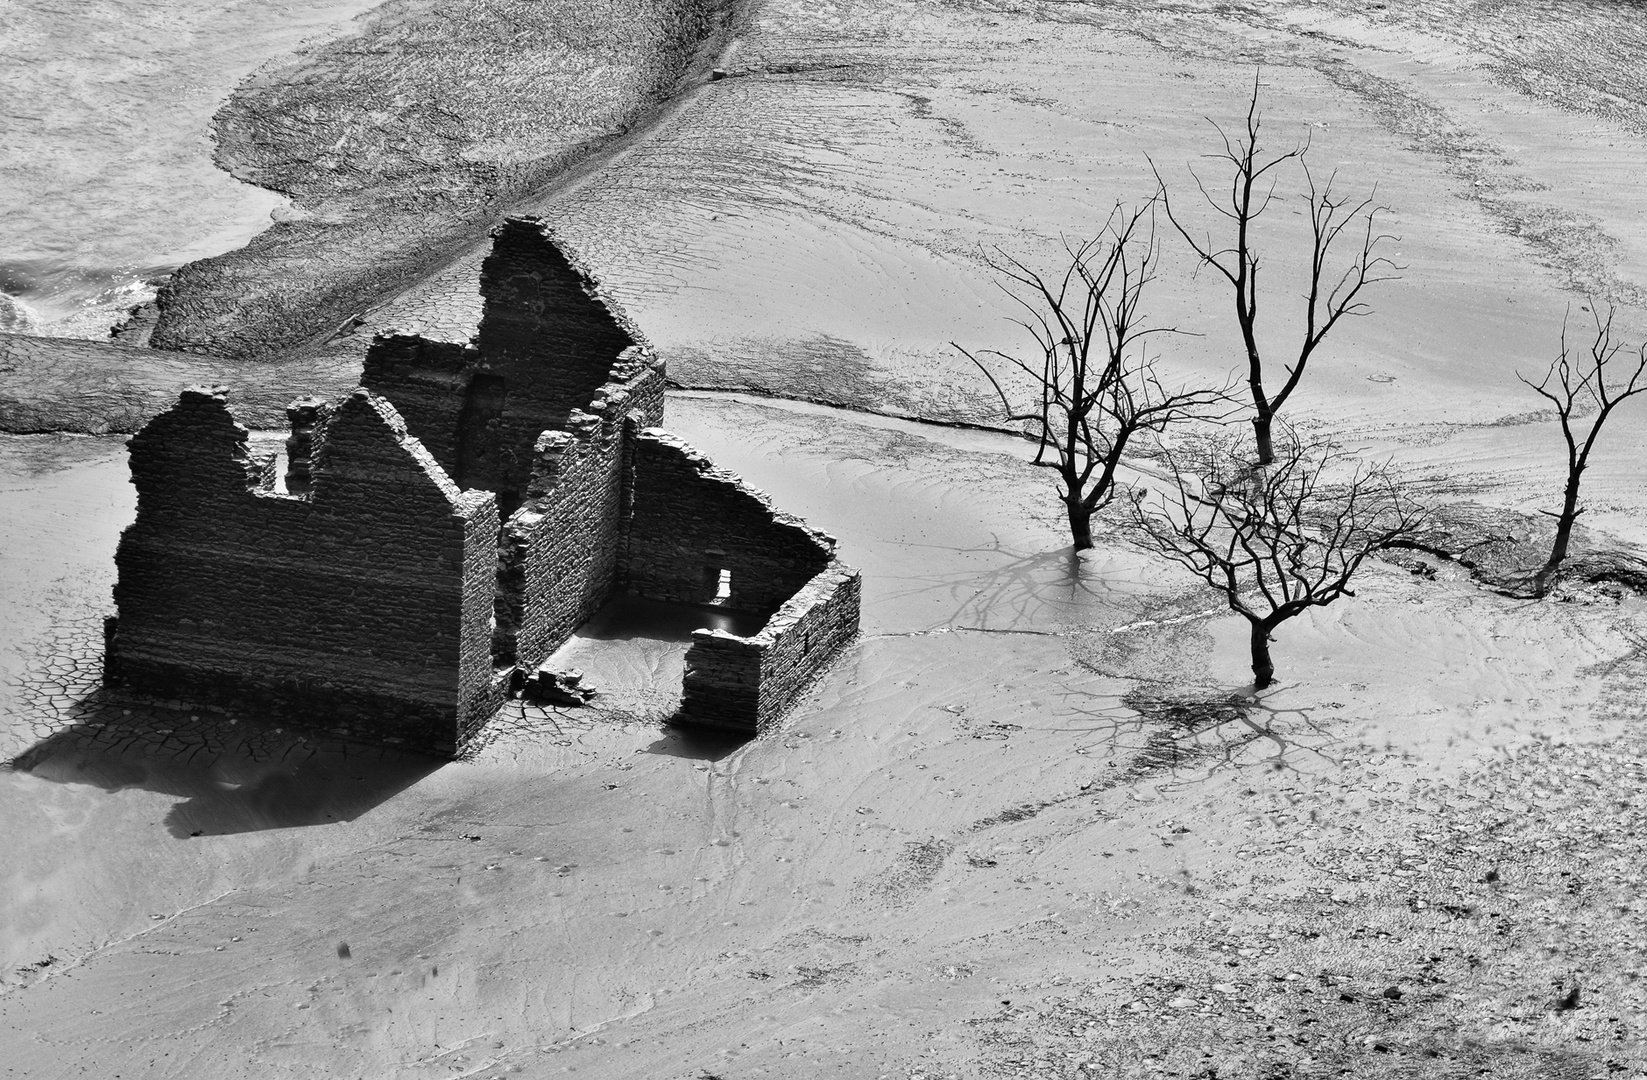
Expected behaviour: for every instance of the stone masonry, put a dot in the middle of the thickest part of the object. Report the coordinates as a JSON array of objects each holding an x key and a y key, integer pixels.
[
  {"x": 362, "y": 605},
  {"x": 545, "y": 345},
  {"x": 695, "y": 527},
  {"x": 382, "y": 596},
  {"x": 558, "y": 554},
  {"x": 692, "y": 520},
  {"x": 746, "y": 683}
]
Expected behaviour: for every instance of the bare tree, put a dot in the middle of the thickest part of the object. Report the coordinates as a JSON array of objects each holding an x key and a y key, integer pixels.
[
  {"x": 1331, "y": 294},
  {"x": 1578, "y": 386},
  {"x": 1275, "y": 540},
  {"x": 1091, "y": 386}
]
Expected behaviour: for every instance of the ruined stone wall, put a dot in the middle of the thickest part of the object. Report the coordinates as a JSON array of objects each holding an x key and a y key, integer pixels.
[
  {"x": 746, "y": 683},
  {"x": 548, "y": 334},
  {"x": 380, "y": 599},
  {"x": 427, "y": 381},
  {"x": 640, "y": 375},
  {"x": 546, "y": 343},
  {"x": 559, "y": 551},
  {"x": 362, "y": 607},
  {"x": 692, "y": 520}
]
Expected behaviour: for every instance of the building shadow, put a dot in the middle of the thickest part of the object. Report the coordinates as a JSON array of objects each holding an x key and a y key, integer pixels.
[
  {"x": 625, "y": 618},
  {"x": 697, "y": 743},
  {"x": 232, "y": 775}
]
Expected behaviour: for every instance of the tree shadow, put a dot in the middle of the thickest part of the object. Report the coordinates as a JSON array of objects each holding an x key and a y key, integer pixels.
[
  {"x": 1172, "y": 737},
  {"x": 1182, "y": 734},
  {"x": 1192, "y": 734},
  {"x": 1021, "y": 589},
  {"x": 231, "y": 775}
]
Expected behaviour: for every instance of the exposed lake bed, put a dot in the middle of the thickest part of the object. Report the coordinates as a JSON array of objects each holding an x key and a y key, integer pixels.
[{"x": 1020, "y": 830}]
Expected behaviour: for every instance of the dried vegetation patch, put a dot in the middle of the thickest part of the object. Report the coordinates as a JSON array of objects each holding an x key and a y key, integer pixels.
[{"x": 1504, "y": 549}]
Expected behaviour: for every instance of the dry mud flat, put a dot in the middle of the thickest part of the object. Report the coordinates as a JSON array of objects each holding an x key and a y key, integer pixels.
[
  {"x": 1018, "y": 831},
  {"x": 402, "y": 140},
  {"x": 107, "y": 166}
]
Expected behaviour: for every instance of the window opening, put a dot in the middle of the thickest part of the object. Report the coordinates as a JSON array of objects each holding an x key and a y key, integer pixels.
[{"x": 723, "y": 588}]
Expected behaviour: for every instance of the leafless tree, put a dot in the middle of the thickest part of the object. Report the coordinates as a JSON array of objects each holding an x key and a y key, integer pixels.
[
  {"x": 1090, "y": 387},
  {"x": 1578, "y": 386},
  {"x": 1336, "y": 222},
  {"x": 1276, "y": 540}
]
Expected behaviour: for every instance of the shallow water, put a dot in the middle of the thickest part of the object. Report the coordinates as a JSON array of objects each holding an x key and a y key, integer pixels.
[{"x": 107, "y": 161}]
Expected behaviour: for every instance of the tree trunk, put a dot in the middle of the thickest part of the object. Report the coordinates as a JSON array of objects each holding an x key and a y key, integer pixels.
[
  {"x": 1564, "y": 534},
  {"x": 1263, "y": 668},
  {"x": 1080, "y": 524},
  {"x": 1261, "y": 432}
]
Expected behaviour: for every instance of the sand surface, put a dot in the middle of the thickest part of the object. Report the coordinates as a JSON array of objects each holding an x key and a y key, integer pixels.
[
  {"x": 815, "y": 226},
  {"x": 976, "y": 807},
  {"x": 1020, "y": 830},
  {"x": 108, "y": 162}
]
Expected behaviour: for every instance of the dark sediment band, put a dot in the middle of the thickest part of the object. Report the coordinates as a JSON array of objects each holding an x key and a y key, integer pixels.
[
  {"x": 98, "y": 388},
  {"x": 401, "y": 145}
]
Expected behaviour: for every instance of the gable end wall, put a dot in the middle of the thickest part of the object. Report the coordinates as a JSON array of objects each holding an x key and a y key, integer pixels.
[
  {"x": 548, "y": 333},
  {"x": 426, "y": 381},
  {"x": 362, "y": 608}
]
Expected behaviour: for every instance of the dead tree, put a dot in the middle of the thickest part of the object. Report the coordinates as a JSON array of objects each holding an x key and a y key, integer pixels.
[
  {"x": 1091, "y": 386},
  {"x": 1330, "y": 294},
  {"x": 1579, "y": 390},
  {"x": 1276, "y": 540}
]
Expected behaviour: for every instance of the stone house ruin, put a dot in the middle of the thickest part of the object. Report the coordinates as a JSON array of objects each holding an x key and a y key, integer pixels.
[{"x": 448, "y": 526}]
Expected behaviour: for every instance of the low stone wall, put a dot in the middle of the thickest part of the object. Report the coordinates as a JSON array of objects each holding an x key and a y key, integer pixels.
[
  {"x": 693, "y": 520},
  {"x": 362, "y": 607},
  {"x": 746, "y": 683},
  {"x": 558, "y": 555}
]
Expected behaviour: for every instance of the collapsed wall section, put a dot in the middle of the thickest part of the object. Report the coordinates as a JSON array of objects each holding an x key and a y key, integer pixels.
[
  {"x": 558, "y": 554},
  {"x": 699, "y": 535},
  {"x": 362, "y": 607},
  {"x": 746, "y": 683}
]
